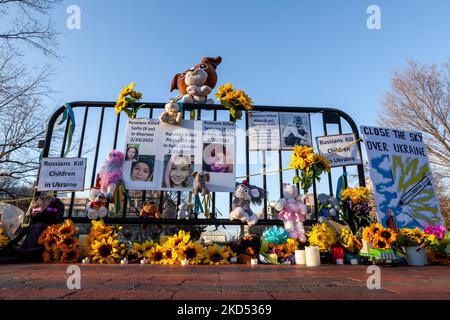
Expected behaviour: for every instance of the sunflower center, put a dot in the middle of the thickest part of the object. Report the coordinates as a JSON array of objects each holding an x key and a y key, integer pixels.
[
  {"x": 71, "y": 255},
  {"x": 158, "y": 256},
  {"x": 69, "y": 241},
  {"x": 190, "y": 253},
  {"x": 381, "y": 244},
  {"x": 177, "y": 242},
  {"x": 216, "y": 257},
  {"x": 386, "y": 235},
  {"x": 105, "y": 250}
]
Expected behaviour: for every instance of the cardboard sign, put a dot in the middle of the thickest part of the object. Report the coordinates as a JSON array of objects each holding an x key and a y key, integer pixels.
[
  {"x": 263, "y": 131},
  {"x": 403, "y": 184},
  {"x": 340, "y": 149},
  {"x": 62, "y": 174},
  {"x": 164, "y": 157}
]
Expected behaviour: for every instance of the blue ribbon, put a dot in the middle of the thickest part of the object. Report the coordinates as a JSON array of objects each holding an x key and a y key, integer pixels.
[
  {"x": 198, "y": 205},
  {"x": 340, "y": 186},
  {"x": 68, "y": 116},
  {"x": 180, "y": 106}
]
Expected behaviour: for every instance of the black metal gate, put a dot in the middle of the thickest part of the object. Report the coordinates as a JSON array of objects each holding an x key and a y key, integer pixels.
[{"x": 330, "y": 116}]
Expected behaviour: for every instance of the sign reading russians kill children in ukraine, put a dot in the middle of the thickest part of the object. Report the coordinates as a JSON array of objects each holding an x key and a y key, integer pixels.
[
  {"x": 62, "y": 174},
  {"x": 340, "y": 149},
  {"x": 403, "y": 185},
  {"x": 164, "y": 157}
]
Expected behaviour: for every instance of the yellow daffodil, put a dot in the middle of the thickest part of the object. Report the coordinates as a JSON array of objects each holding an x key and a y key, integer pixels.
[{"x": 106, "y": 251}]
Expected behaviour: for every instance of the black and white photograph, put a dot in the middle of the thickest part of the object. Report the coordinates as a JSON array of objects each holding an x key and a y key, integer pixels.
[{"x": 295, "y": 130}]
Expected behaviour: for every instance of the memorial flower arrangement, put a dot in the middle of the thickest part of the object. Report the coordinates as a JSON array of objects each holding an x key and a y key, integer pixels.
[
  {"x": 127, "y": 100},
  {"x": 322, "y": 236},
  {"x": 378, "y": 236},
  {"x": 438, "y": 252},
  {"x": 310, "y": 164},
  {"x": 356, "y": 207},
  {"x": 349, "y": 241},
  {"x": 437, "y": 231},
  {"x": 217, "y": 255},
  {"x": 140, "y": 250},
  {"x": 234, "y": 100},
  {"x": 60, "y": 245},
  {"x": 414, "y": 237},
  {"x": 4, "y": 240},
  {"x": 102, "y": 245}
]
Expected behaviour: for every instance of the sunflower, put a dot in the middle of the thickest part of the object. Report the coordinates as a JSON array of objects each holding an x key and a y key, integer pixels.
[
  {"x": 155, "y": 255},
  {"x": 69, "y": 255},
  {"x": 105, "y": 251},
  {"x": 371, "y": 231},
  {"x": 181, "y": 238},
  {"x": 191, "y": 251},
  {"x": 380, "y": 243},
  {"x": 223, "y": 91},
  {"x": 215, "y": 255},
  {"x": 140, "y": 249},
  {"x": 170, "y": 256},
  {"x": 46, "y": 257},
  {"x": 120, "y": 105},
  {"x": 67, "y": 228},
  {"x": 68, "y": 242},
  {"x": 388, "y": 234}
]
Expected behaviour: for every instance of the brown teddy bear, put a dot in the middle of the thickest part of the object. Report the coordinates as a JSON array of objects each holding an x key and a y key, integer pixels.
[
  {"x": 172, "y": 115},
  {"x": 150, "y": 210},
  {"x": 196, "y": 83}
]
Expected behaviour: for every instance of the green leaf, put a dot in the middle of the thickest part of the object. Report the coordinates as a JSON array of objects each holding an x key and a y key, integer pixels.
[
  {"x": 192, "y": 115},
  {"x": 296, "y": 179}
]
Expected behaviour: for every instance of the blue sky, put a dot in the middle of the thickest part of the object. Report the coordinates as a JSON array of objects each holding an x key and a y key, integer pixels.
[{"x": 293, "y": 53}]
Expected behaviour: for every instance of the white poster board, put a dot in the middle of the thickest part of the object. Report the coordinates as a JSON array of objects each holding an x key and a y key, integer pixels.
[
  {"x": 295, "y": 130},
  {"x": 62, "y": 174},
  {"x": 164, "y": 157},
  {"x": 339, "y": 149},
  {"x": 401, "y": 177},
  {"x": 263, "y": 131}
]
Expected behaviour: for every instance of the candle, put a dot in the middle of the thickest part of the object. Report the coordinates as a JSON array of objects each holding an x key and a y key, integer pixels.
[
  {"x": 144, "y": 261},
  {"x": 233, "y": 260},
  {"x": 312, "y": 256},
  {"x": 124, "y": 261},
  {"x": 340, "y": 261},
  {"x": 85, "y": 261},
  {"x": 354, "y": 261},
  {"x": 254, "y": 262},
  {"x": 300, "y": 257},
  {"x": 185, "y": 262}
]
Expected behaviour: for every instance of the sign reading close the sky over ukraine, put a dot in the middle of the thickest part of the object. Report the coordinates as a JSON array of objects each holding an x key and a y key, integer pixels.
[
  {"x": 403, "y": 184},
  {"x": 164, "y": 157},
  {"x": 62, "y": 174},
  {"x": 340, "y": 150}
]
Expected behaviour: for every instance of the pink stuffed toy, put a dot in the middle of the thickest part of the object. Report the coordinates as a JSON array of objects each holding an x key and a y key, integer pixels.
[
  {"x": 111, "y": 173},
  {"x": 292, "y": 211}
]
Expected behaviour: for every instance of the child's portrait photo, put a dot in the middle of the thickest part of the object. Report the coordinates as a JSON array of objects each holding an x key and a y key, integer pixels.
[
  {"x": 132, "y": 152},
  {"x": 178, "y": 171},
  {"x": 218, "y": 158},
  {"x": 142, "y": 169}
]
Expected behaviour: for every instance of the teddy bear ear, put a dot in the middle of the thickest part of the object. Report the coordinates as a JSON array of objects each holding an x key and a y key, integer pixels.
[
  {"x": 212, "y": 61},
  {"x": 174, "y": 84},
  {"x": 194, "y": 174}
]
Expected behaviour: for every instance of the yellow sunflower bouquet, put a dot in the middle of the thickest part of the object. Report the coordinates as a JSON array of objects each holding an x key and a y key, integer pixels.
[
  {"x": 414, "y": 237},
  {"x": 322, "y": 236},
  {"x": 217, "y": 255},
  {"x": 234, "y": 100},
  {"x": 378, "y": 236},
  {"x": 127, "y": 100},
  {"x": 4, "y": 240},
  {"x": 60, "y": 245},
  {"x": 310, "y": 164},
  {"x": 102, "y": 245}
]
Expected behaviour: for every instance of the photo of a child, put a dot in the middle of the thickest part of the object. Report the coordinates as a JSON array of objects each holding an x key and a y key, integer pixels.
[
  {"x": 178, "y": 171},
  {"x": 142, "y": 169},
  {"x": 218, "y": 158},
  {"x": 295, "y": 130},
  {"x": 132, "y": 152}
]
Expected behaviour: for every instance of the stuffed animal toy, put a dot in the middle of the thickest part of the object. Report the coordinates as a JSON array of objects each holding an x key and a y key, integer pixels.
[
  {"x": 248, "y": 249},
  {"x": 244, "y": 194},
  {"x": 200, "y": 179},
  {"x": 111, "y": 173},
  {"x": 183, "y": 212},
  {"x": 172, "y": 115},
  {"x": 150, "y": 210},
  {"x": 196, "y": 83},
  {"x": 96, "y": 207},
  {"x": 292, "y": 211}
]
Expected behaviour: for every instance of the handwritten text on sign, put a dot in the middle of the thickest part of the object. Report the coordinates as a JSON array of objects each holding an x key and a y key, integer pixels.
[
  {"x": 62, "y": 174},
  {"x": 340, "y": 150}
]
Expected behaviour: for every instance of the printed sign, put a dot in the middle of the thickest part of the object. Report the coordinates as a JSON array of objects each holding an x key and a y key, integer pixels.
[
  {"x": 340, "y": 150},
  {"x": 62, "y": 174},
  {"x": 403, "y": 184},
  {"x": 164, "y": 157},
  {"x": 295, "y": 130},
  {"x": 264, "y": 131}
]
